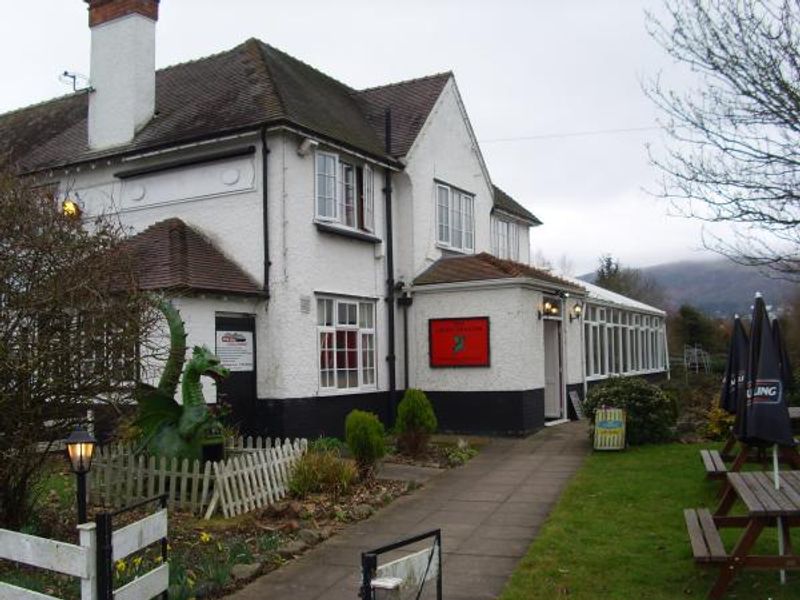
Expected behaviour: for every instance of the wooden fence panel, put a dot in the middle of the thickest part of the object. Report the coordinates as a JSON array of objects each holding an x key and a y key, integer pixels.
[
  {"x": 145, "y": 587},
  {"x": 44, "y": 553},
  {"x": 137, "y": 535}
]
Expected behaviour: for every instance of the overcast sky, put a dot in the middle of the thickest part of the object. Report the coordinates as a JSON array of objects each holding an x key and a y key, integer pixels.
[{"x": 537, "y": 77}]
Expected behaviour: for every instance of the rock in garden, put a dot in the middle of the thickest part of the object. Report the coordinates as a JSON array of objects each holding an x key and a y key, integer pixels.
[
  {"x": 362, "y": 511},
  {"x": 280, "y": 507},
  {"x": 245, "y": 571},
  {"x": 290, "y": 526},
  {"x": 309, "y": 536},
  {"x": 292, "y": 548}
]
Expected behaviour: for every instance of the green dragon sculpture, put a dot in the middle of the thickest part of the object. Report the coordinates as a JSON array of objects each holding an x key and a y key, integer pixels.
[{"x": 179, "y": 430}]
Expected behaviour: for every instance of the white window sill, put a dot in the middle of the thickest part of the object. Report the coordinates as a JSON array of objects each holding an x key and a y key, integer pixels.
[
  {"x": 335, "y": 228},
  {"x": 442, "y": 246},
  {"x": 332, "y": 392}
]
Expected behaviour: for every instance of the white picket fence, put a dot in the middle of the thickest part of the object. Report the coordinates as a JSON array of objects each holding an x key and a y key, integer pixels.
[
  {"x": 255, "y": 479},
  {"x": 256, "y": 474}
]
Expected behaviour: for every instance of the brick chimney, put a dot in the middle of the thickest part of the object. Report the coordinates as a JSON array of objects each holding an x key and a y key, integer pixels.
[{"x": 123, "y": 69}]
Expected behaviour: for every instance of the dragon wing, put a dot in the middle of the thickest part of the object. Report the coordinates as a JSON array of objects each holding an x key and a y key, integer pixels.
[{"x": 155, "y": 410}]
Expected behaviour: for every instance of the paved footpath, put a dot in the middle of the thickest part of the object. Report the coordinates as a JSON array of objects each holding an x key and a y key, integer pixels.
[{"x": 489, "y": 511}]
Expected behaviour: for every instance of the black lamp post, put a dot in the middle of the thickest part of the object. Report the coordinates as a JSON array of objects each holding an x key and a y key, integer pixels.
[{"x": 80, "y": 448}]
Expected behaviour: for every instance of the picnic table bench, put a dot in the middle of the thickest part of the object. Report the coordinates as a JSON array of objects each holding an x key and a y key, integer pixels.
[{"x": 765, "y": 505}]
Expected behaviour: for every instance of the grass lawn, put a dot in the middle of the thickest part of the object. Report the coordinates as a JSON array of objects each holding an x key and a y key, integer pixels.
[{"x": 618, "y": 533}]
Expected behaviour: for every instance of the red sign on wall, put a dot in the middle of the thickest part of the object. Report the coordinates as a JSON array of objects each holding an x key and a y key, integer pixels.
[{"x": 459, "y": 342}]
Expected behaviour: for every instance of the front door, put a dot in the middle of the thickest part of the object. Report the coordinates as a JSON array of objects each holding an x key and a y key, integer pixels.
[
  {"x": 552, "y": 370},
  {"x": 236, "y": 349}
]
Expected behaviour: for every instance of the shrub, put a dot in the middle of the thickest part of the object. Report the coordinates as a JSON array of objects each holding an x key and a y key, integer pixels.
[
  {"x": 321, "y": 472},
  {"x": 460, "y": 453},
  {"x": 650, "y": 414},
  {"x": 327, "y": 444},
  {"x": 719, "y": 423},
  {"x": 364, "y": 435},
  {"x": 416, "y": 421}
]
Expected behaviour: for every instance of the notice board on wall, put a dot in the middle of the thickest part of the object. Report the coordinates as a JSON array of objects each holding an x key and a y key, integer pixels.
[{"x": 459, "y": 342}]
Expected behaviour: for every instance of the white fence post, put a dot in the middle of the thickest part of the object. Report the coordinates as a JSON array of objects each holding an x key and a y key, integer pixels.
[{"x": 88, "y": 540}]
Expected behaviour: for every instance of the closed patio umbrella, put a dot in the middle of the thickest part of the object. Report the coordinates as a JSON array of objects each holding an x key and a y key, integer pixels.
[
  {"x": 733, "y": 384},
  {"x": 766, "y": 420},
  {"x": 766, "y": 417}
]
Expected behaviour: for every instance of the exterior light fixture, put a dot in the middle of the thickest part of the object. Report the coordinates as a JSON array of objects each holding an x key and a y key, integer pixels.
[
  {"x": 548, "y": 309},
  {"x": 71, "y": 209},
  {"x": 576, "y": 312},
  {"x": 80, "y": 449}
]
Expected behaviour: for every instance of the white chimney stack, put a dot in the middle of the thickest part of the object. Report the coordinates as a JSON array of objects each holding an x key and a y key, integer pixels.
[{"x": 123, "y": 69}]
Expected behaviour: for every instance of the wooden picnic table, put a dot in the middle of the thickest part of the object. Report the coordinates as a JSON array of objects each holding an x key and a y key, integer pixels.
[{"x": 765, "y": 505}]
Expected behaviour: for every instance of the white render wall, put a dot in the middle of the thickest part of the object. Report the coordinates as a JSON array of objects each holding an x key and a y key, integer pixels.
[
  {"x": 573, "y": 343},
  {"x": 445, "y": 151},
  {"x": 516, "y": 342},
  {"x": 307, "y": 263},
  {"x": 223, "y": 200}
]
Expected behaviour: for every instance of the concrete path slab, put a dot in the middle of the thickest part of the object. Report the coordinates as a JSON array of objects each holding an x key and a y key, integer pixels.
[{"x": 489, "y": 511}]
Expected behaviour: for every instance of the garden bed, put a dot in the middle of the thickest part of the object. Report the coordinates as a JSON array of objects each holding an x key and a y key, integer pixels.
[
  {"x": 444, "y": 451},
  {"x": 208, "y": 558}
]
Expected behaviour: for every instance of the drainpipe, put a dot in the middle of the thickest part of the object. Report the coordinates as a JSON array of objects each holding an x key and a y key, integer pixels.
[
  {"x": 264, "y": 210},
  {"x": 405, "y": 301},
  {"x": 390, "y": 292}
]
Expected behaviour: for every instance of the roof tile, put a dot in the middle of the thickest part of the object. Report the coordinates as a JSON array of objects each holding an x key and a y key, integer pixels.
[
  {"x": 477, "y": 267},
  {"x": 170, "y": 255}
]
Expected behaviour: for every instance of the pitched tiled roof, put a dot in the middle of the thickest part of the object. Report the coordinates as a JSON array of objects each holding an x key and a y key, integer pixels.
[
  {"x": 250, "y": 85},
  {"x": 170, "y": 255},
  {"x": 507, "y": 204},
  {"x": 477, "y": 267},
  {"x": 410, "y": 101}
]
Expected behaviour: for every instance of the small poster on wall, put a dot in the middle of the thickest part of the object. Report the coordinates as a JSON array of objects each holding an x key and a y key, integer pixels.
[
  {"x": 235, "y": 350},
  {"x": 459, "y": 342}
]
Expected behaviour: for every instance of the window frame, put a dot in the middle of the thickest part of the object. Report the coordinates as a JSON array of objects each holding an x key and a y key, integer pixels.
[
  {"x": 460, "y": 217},
  {"x": 366, "y": 345},
  {"x": 361, "y": 187}
]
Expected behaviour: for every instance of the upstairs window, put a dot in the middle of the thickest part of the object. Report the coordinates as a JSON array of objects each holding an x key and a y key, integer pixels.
[
  {"x": 344, "y": 192},
  {"x": 455, "y": 218},
  {"x": 505, "y": 239}
]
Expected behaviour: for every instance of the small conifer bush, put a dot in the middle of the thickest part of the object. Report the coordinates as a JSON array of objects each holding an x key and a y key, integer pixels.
[
  {"x": 364, "y": 435},
  {"x": 416, "y": 421}
]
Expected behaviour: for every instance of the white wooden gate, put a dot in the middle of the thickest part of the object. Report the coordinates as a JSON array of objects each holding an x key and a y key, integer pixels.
[{"x": 78, "y": 561}]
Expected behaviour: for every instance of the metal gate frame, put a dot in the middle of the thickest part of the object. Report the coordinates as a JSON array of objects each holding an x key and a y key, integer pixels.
[
  {"x": 105, "y": 562},
  {"x": 369, "y": 562}
]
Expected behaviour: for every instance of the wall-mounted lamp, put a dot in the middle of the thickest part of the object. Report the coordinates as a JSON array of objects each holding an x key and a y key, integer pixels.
[
  {"x": 549, "y": 308},
  {"x": 576, "y": 312},
  {"x": 71, "y": 208}
]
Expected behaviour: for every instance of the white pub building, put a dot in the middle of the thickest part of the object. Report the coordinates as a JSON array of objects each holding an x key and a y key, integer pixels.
[{"x": 335, "y": 246}]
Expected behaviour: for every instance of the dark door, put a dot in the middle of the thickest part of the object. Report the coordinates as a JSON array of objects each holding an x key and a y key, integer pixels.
[{"x": 236, "y": 349}]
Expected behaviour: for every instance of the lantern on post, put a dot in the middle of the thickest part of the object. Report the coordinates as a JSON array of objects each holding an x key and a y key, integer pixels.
[{"x": 80, "y": 449}]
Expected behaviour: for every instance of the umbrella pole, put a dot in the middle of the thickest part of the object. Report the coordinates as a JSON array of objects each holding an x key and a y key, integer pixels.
[{"x": 777, "y": 481}]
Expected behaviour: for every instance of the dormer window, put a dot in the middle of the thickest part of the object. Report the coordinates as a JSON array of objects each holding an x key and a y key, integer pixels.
[
  {"x": 455, "y": 218},
  {"x": 505, "y": 239},
  {"x": 344, "y": 192}
]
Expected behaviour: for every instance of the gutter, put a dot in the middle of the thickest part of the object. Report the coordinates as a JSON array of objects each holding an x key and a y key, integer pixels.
[
  {"x": 390, "y": 291},
  {"x": 265, "y": 208}
]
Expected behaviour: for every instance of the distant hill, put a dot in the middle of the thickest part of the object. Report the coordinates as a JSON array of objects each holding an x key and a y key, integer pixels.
[{"x": 718, "y": 287}]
